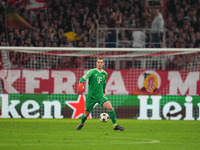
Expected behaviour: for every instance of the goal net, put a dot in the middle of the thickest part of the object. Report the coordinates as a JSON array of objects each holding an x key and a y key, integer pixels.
[{"x": 151, "y": 83}]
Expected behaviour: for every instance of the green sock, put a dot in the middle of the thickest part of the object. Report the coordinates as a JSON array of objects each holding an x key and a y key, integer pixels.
[
  {"x": 113, "y": 116},
  {"x": 83, "y": 119}
]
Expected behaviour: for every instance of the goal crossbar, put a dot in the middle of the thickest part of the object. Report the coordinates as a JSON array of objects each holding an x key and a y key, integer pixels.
[{"x": 101, "y": 49}]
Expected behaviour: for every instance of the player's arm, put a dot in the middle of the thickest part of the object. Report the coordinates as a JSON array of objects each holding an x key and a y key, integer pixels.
[
  {"x": 104, "y": 88},
  {"x": 82, "y": 79},
  {"x": 104, "y": 85}
]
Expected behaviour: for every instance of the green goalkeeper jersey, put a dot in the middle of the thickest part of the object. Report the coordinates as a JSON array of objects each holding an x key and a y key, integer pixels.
[{"x": 96, "y": 82}]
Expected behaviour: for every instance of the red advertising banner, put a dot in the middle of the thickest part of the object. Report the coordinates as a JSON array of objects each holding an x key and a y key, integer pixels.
[{"x": 119, "y": 82}]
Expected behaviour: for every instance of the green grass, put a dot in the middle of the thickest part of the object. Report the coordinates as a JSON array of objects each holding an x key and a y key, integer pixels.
[{"x": 53, "y": 134}]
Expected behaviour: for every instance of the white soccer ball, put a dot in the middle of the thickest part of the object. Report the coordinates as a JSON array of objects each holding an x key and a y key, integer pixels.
[{"x": 104, "y": 117}]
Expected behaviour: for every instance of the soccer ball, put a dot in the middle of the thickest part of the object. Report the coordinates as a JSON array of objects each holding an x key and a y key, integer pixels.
[{"x": 104, "y": 117}]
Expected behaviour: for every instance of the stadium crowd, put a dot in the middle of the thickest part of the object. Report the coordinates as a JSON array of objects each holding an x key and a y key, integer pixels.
[{"x": 182, "y": 21}]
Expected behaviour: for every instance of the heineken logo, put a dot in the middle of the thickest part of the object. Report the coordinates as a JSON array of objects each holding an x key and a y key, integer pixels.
[
  {"x": 171, "y": 110},
  {"x": 154, "y": 107}
]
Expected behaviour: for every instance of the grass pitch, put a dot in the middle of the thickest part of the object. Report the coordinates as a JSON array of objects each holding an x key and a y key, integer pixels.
[{"x": 54, "y": 134}]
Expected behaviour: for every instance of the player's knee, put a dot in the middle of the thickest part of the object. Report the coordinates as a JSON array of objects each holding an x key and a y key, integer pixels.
[
  {"x": 87, "y": 114},
  {"x": 110, "y": 108}
]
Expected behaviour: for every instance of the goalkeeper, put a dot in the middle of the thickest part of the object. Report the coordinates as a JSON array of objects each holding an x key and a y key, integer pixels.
[{"x": 96, "y": 93}]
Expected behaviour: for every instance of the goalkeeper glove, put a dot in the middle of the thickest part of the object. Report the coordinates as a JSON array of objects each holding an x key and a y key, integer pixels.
[{"x": 80, "y": 87}]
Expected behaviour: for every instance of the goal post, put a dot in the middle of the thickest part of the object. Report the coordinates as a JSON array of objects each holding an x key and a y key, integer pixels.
[{"x": 142, "y": 83}]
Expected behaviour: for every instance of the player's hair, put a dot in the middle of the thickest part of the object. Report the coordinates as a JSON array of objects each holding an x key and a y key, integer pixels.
[{"x": 99, "y": 58}]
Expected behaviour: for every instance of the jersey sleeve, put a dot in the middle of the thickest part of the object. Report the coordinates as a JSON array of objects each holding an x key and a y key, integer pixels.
[
  {"x": 104, "y": 84},
  {"x": 106, "y": 76},
  {"x": 104, "y": 87},
  {"x": 86, "y": 76}
]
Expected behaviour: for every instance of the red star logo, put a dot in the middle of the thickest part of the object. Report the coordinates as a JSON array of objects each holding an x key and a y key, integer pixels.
[{"x": 78, "y": 107}]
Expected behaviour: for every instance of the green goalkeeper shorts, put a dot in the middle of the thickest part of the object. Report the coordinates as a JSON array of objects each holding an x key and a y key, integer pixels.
[{"x": 91, "y": 101}]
